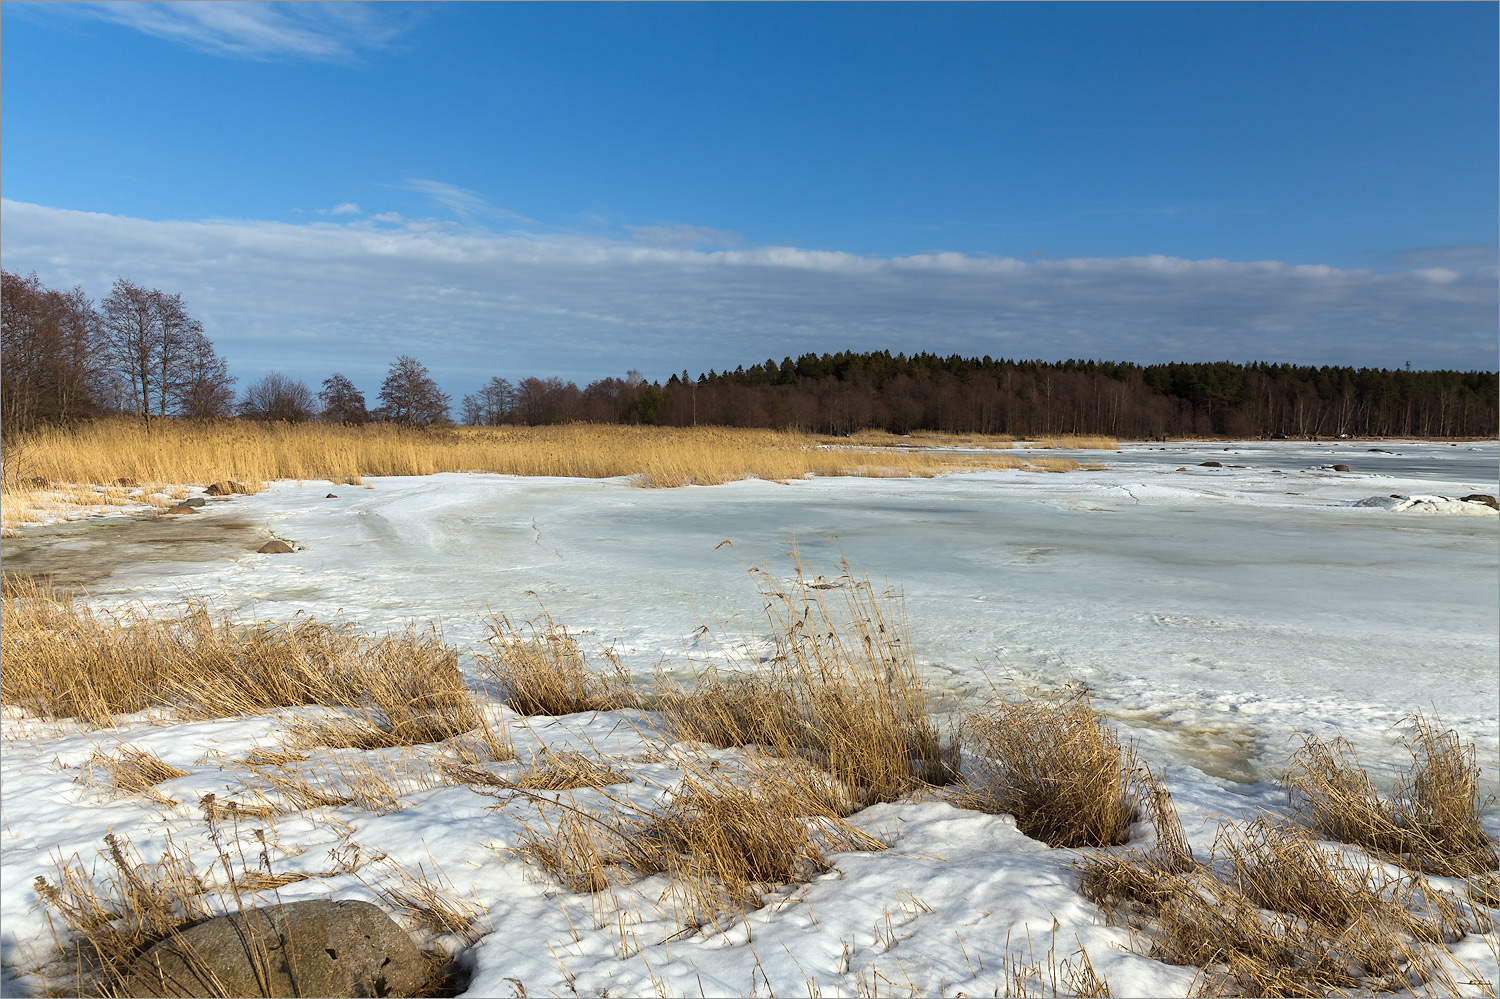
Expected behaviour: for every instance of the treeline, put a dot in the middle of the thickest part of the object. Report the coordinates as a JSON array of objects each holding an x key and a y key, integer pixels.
[
  {"x": 139, "y": 352},
  {"x": 839, "y": 393}
]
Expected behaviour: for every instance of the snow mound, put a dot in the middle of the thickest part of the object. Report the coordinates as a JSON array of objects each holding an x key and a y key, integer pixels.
[{"x": 1445, "y": 506}]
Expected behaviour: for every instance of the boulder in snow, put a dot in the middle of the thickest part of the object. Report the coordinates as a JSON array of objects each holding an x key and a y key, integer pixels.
[{"x": 321, "y": 947}]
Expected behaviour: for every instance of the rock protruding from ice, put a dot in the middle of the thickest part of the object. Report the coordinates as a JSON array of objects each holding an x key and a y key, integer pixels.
[
  {"x": 1438, "y": 505},
  {"x": 1484, "y": 498}
]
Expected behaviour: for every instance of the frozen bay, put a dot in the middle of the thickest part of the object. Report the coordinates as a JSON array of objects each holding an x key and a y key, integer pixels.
[{"x": 1214, "y": 611}]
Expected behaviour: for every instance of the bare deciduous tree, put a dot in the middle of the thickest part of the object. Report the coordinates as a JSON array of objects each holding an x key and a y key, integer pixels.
[
  {"x": 342, "y": 402},
  {"x": 410, "y": 396},
  {"x": 491, "y": 405},
  {"x": 49, "y": 360},
  {"x": 179, "y": 340},
  {"x": 130, "y": 335},
  {"x": 278, "y": 397},
  {"x": 158, "y": 347},
  {"x": 207, "y": 389}
]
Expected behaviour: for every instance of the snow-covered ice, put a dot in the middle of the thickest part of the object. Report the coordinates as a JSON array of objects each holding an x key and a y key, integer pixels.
[{"x": 1214, "y": 612}]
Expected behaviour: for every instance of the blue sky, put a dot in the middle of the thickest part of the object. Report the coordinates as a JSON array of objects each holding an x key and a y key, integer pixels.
[{"x": 578, "y": 189}]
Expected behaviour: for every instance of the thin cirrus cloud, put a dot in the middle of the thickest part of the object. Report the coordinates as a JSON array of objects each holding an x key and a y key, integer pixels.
[
  {"x": 350, "y": 294},
  {"x": 470, "y": 206},
  {"x": 253, "y": 30}
]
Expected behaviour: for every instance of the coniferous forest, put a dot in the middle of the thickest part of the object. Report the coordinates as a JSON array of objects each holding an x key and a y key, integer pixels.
[{"x": 837, "y": 393}]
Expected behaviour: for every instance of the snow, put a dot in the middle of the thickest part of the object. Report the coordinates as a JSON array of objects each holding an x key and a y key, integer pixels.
[{"x": 1213, "y": 612}]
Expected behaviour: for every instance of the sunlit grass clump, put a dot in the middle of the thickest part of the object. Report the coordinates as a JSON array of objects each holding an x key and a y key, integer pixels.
[
  {"x": 67, "y": 660},
  {"x": 832, "y": 681},
  {"x": 1057, "y": 766}
]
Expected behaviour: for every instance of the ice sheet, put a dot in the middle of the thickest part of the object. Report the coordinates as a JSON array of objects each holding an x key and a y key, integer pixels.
[{"x": 1214, "y": 612}]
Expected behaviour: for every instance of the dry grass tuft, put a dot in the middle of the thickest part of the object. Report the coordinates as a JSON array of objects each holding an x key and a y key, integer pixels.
[
  {"x": 1274, "y": 913},
  {"x": 261, "y": 757},
  {"x": 565, "y": 770},
  {"x": 66, "y": 660},
  {"x": 433, "y": 901},
  {"x": 1045, "y": 978},
  {"x": 131, "y": 770},
  {"x": 1078, "y": 442},
  {"x": 110, "y": 920},
  {"x": 542, "y": 671},
  {"x": 737, "y": 840},
  {"x": 1057, "y": 766},
  {"x": 1056, "y": 465},
  {"x": 840, "y": 688},
  {"x": 1430, "y": 822},
  {"x": 723, "y": 839}
]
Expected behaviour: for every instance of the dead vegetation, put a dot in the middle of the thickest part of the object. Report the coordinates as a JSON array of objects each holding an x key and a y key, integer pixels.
[
  {"x": 1430, "y": 821},
  {"x": 565, "y": 770},
  {"x": 1078, "y": 442},
  {"x": 1273, "y": 911},
  {"x": 130, "y": 769},
  {"x": 67, "y": 660},
  {"x": 833, "y": 682},
  {"x": 106, "y": 914},
  {"x": 542, "y": 671},
  {"x": 1057, "y": 766},
  {"x": 113, "y": 917},
  {"x": 723, "y": 840},
  {"x": 831, "y": 712},
  {"x": 251, "y": 453}
]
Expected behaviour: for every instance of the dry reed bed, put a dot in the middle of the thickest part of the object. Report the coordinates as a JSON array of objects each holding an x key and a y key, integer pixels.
[
  {"x": 110, "y": 450},
  {"x": 833, "y": 716}
]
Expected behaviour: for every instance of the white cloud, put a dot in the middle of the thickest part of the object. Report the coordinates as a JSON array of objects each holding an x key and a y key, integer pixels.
[
  {"x": 253, "y": 30},
  {"x": 342, "y": 208},
  {"x": 471, "y": 206},
  {"x": 350, "y": 295}
]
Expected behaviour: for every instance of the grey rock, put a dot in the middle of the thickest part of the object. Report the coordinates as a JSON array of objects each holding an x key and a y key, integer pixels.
[
  {"x": 1484, "y": 498},
  {"x": 1211, "y": 464},
  {"x": 1340, "y": 468},
  {"x": 321, "y": 947},
  {"x": 195, "y": 501},
  {"x": 332, "y": 496},
  {"x": 277, "y": 547}
]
